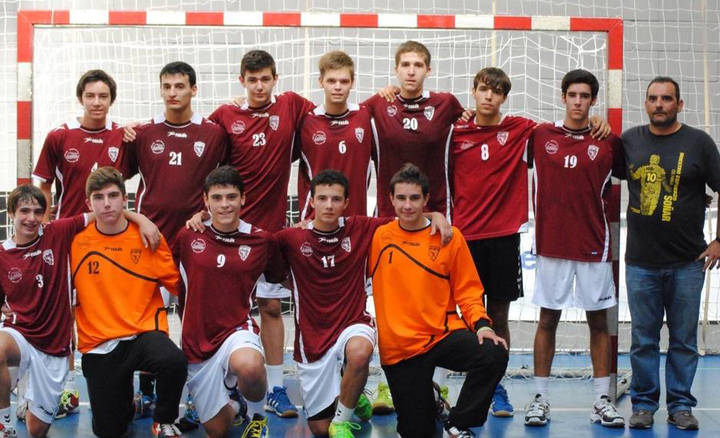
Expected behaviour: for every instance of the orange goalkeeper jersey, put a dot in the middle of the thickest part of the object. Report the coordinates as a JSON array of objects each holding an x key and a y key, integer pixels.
[
  {"x": 117, "y": 285},
  {"x": 417, "y": 284}
]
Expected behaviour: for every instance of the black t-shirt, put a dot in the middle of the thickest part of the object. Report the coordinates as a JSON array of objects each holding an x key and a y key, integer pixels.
[{"x": 666, "y": 180}]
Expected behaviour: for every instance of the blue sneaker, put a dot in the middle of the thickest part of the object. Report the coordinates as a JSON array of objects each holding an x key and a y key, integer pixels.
[
  {"x": 279, "y": 403},
  {"x": 501, "y": 406},
  {"x": 144, "y": 405},
  {"x": 242, "y": 416}
]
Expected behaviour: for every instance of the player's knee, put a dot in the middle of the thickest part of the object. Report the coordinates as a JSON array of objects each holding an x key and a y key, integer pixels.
[
  {"x": 548, "y": 320},
  {"x": 35, "y": 427},
  {"x": 492, "y": 357},
  {"x": 250, "y": 373},
  {"x": 597, "y": 322},
  {"x": 358, "y": 354},
  {"x": 269, "y": 308},
  {"x": 318, "y": 428}
]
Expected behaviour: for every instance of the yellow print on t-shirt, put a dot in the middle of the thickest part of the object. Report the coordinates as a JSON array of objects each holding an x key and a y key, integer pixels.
[{"x": 653, "y": 180}]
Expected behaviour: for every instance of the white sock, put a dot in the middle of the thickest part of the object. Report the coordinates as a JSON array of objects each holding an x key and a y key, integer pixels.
[
  {"x": 440, "y": 376},
  {"x": 70, "y": 381},
  {"x": 255, "y": 407},
  {"x": 5, "y": 415},
  {"x": 274, "y": 376},
  {"x": 342, "y": 413},
  {"x": 601, "y": 387},
  {"x": 541, "y": 386}
]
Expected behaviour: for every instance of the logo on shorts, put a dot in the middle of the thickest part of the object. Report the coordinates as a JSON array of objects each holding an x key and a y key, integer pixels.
[
  {"x": 345, "y": 244},
  {"x": 433, "y": 252},
  {"x": 14, "y": 275},
  {"x": 72, "y": 155},
  {"x": 157, "y": 147},
  {"x": 551, "y": 147},
  {"x": 48, "y": 257},
  {"x": 391, "y": 110},
  {"x": 198, "y": 246},
  {"x": 306, "y": 249},
  {"x": 359, "y": 134},
  {"x": 319, "y": 137},
  {"x": 113, "y": 153},
  {"x": 135, "y": 255},
  {"x": 199, "y": 147},
  {"x": 274, "y": 122},
  {"x": 244, "y": 252},
  {"x": 429, "y": 112},
  {"x": 238, "y": 127},
  {"x": 502, "y": 137},
  {"x": 593, "y": 151}
]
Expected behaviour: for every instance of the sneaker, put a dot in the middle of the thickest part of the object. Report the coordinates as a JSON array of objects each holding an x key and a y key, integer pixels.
[
  {"x": 604, "y": 412},
  {"x": 456, "y": 432},
  {"x": 21, "y": 410},
  {"x": 683, "y": 420},
  {"x": 165, "y": 430},
  {"x": 501, "y": 406},
  {"x": 537, "y": 413},
  {"x": 342, "y": 430},
  {"x": 383, "y": 403},
  {"x": 69, "y": 403},
  {"x": 257, "y": 427},
  {"x": 144, "y": 405},
  {"x": 363, "y": 408},
  {"x": 7, "y": 431},
  {"x": 242, "y": 415},
  {"x": 279, "y": 403},
  {"x": 443, "y": 407},
  {"x": 641, "y": 419},
  {"x": 190, "y": 420}
]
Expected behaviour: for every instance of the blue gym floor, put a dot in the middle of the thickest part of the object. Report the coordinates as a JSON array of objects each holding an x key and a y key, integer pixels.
[{"x": 570, "y": 406}]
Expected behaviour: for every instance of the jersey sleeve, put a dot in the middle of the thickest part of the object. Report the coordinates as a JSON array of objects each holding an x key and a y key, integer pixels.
[
  {"x": 465, "y": 284},
  {"x": 531, "y": 149},
  {"x": 456, "y": 109},
  {"x": 166, "y": 271},
  {"x": 70, "y": 226},
  {"x": 302, "y": 107},
  {"x": 276, "y": 267},
  {"x": 216, "y": 115},
  {"x": 618, "y": 169},
  {"x": 129, "y": 165},
  {"x": 49, "y": 156}
]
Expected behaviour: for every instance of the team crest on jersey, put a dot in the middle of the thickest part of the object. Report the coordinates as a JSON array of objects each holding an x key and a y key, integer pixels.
[
  {"x": 244, "y": 252},
  {"x": 319, "y": 137},
  {"x": 551, "y": 147},
  {"x": 198, "y": 246},
  {"x": 72, "y": 155},
  {"x": 199, "y": 147},
  {"x": 14, "y": 275},
  {"x": 433, "y": 252},
  {"x": 306, "y": 249},
  {"x": 391, "y": 110},
  {"x": 157, "y": 147},
  {"x": 135, "y": 254},
  {"x": 429, "y": 112},
  {"x": 274, "y": 122},
  {"x": 593, "y": 151},
  {"x": 113, "y": 153},
  {"x": 359, "y": 134},
  {"x": 502, "y": 137},
  {"x": 345, "y": 244},
  {"x": 48, "y": 257},
  {"x": 238, "y": 127}
]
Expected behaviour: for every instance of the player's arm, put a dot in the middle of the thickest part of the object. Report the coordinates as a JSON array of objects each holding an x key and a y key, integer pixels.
[
  {"x": 439, "y": 223},
  {"x": 149, "y": 232},
  {"x": 166, "y": 269},
  {"x": 45, "y": 188},
  {"x": 600, "y": 129}
]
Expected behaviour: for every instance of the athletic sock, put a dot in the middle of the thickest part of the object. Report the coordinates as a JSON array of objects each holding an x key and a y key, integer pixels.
[
  {"x": 440, "y": 376},
  {"x": 541, "y": 386},
  {"x": 147, "y": 384},
  {"x": 274, "y": 376},
  {"x": 255, "y": 407},
  {"x": 70, "y": 381},
  {"x": 601, "y": 387},
  {"x": 342, "y": 413}
]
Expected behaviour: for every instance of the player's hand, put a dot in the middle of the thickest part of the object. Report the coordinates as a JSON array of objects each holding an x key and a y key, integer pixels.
[
  {"x": 599, "y": 128},
  {"x": 7, "y": 313},
  {"x": 149, "y": 233},
  {"x": 129, "y": 133},
  {"x": 490, "y": 334},
  {"x": 388, "y": 93},
  {"x": 711, "y": 255},
  {"x": 303, "y": 224},
  {"x": 238, "y": 101},
  {"x": 438, "y": 223},
  {"x": 196, "y": 222},
  {"x": 468, "y": 114}
]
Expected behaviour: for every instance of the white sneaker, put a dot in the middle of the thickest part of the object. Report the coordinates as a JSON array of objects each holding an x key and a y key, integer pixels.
[
  {"x": 604, "y": 412},
  {"x": 7, "y": 431},
  {"x": 537, "y": 413}
]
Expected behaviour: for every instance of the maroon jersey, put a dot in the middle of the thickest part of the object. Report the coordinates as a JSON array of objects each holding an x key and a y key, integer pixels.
[
  {"x": 34, "y": 283},
  {"x": 173, "y": 161},
  {"x": 416, "y": 131},
  {"x": 219, "y": 272},
  {"x": 490, "y": 185},
  {"x": 571, "y": 182},
  {"x": 342, "y": 143},
  {"x": 262, "y": 147},
  {"x": 70, "y": 154},
  {"x": 328, "y": 275}
]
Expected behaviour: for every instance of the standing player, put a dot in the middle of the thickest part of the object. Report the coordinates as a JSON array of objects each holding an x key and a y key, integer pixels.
[
  {"x": 572, "y": 239},
  {"x": 262, "y": 133},
  {"x": 219, "y": 337},
  {"x": 336, "y": 135}
]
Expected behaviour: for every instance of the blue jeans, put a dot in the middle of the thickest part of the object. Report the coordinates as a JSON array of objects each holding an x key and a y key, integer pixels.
[{"x": 651, "y": 293}]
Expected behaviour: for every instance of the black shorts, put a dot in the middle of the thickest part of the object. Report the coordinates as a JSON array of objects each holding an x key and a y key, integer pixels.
[{"x": 498, "y": 264}]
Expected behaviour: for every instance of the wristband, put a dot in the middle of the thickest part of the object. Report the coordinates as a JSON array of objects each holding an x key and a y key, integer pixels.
[{"x": 485, "y": 329}]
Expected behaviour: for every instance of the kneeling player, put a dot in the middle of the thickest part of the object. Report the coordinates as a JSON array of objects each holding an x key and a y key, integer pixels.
[{"x": 221, "y": 266}]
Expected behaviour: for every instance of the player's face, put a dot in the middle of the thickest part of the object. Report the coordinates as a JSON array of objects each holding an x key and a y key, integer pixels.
[
  {"x": 108, "y": 204},
  {"x": 337, "y": 85},
  {"x": 259, "y": 85},
  {"x": 487, "y": 99},
  {"x": 329, "y": 203},
  {"x": 27, "y": 218},
  {"x": 95, "y": 100},
  {"x": 411, "y": 72},
  {"x": 661, "y": 104},
  {"x": 409, "y": 203},
  {"x": 224, "y": 204},
  {"x": 578, "y": 100},
  {"x": 176, "y": 91}
]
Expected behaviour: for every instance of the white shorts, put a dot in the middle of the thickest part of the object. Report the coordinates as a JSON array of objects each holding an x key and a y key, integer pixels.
[
  {"x": 594, "y": 288},
  {"x": 320, "y": 380},
  {"x": 45, "y": 377},
  {"x": 210, "y": 381},
  {"x": 263, "y": 289}
]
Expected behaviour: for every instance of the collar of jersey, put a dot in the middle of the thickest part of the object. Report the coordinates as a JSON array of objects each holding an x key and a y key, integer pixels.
[
  {"x": 425, "y": 95},
  {"x": 560, "y": 124},
  {"x": 320, "y": 111},
  {"x": 246, "y": 106},
  {"x": 243, "y": 227},
  {"x": 75, "y": 124},
  {"x": 196, "y": 119},
  {"x": 341, "y": 224}
]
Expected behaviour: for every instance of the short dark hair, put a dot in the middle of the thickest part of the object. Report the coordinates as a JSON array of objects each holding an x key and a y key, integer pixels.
[
  {"x": 664, "y": 80},
  {"x": 96, "y": 76},
  {"x": 410, "y": 174},
  {"x": 103, "y": 177},
  {"x": 25, "y": 193},
  {"x": 179, "y": 67},
  {"x": 580, "y": 76},
  {"x": 329, "y": 177},
  {"x": 256, "y": 60},
  {"x": 494, "y": 78},
  {"x": 224, "y": 176}
]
